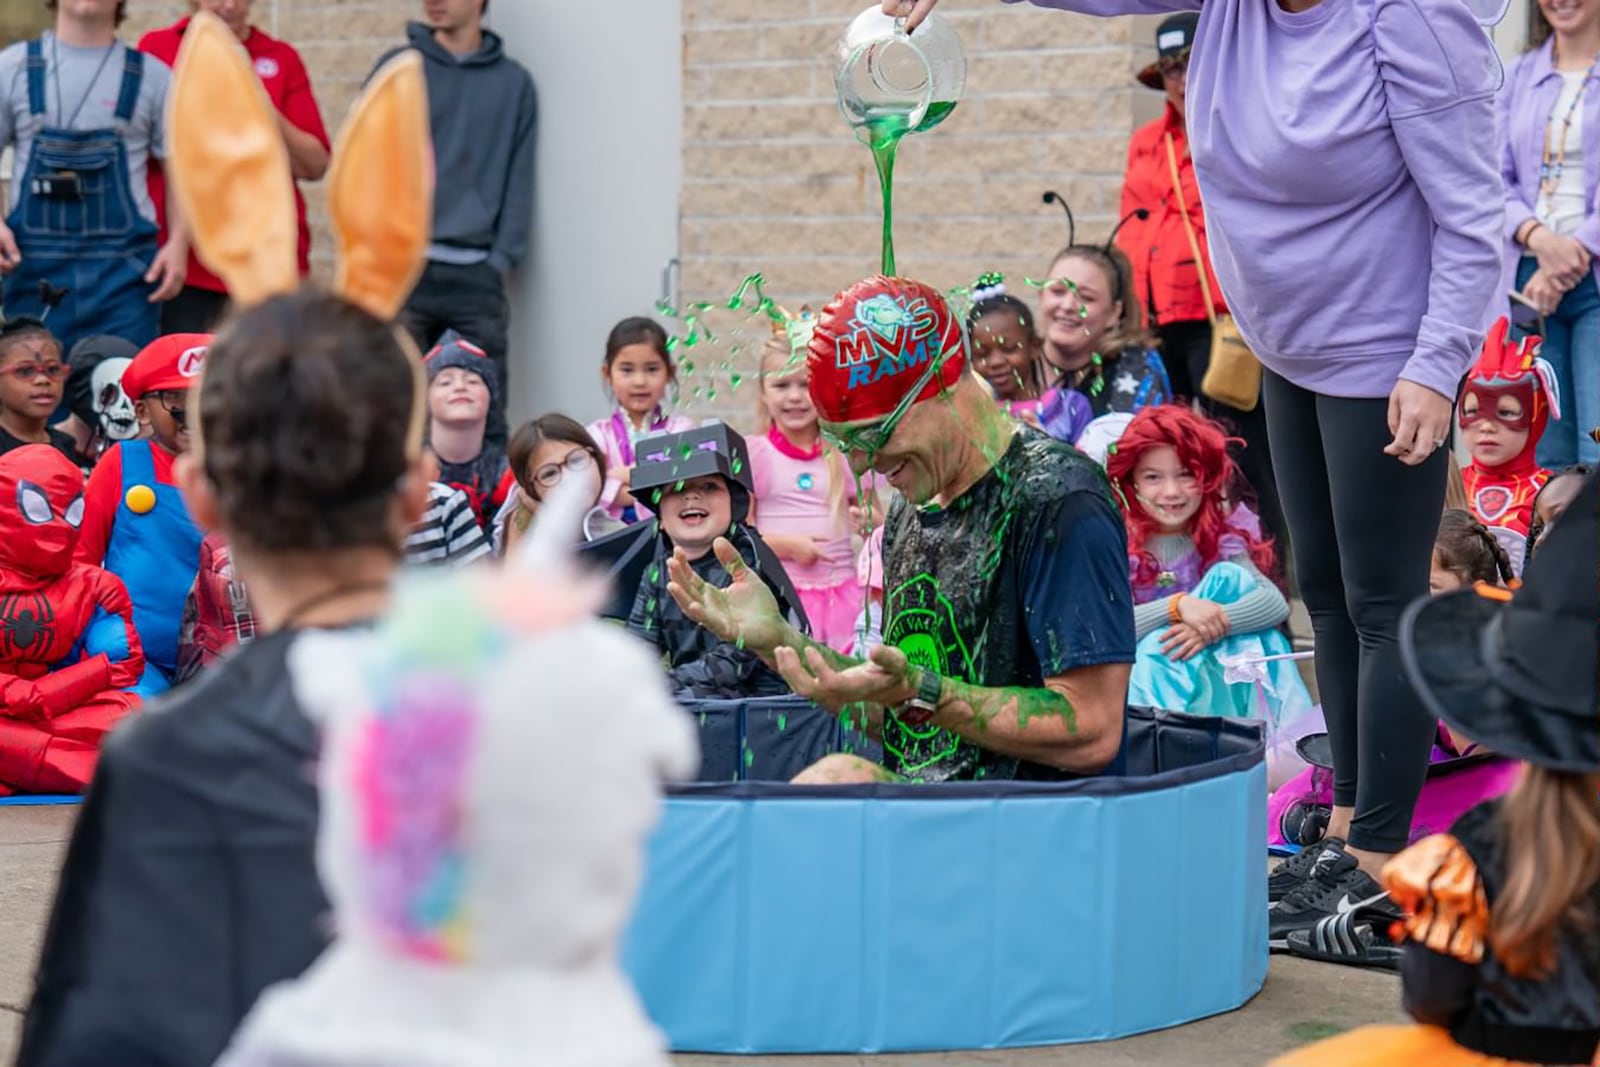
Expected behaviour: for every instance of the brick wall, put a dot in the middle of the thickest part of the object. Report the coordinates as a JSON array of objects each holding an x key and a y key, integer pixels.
[
  {"x": 339, "y": 40},
  {"x": 774, "y": 182}
]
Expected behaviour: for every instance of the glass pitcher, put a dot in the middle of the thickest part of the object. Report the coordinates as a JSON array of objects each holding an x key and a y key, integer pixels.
[{"x": 891, "y": 83}]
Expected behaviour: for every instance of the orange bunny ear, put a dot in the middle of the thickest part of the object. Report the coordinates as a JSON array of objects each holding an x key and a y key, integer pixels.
[
  {"x": 228, "y": 165},
  {"x": 380, "y": 191}
]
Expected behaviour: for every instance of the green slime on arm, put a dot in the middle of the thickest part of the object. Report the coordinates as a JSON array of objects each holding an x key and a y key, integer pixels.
[{"x": 882, "y": 134}]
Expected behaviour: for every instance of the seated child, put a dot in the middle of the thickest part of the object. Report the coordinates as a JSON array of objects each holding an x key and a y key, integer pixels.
[
  {"x": 135, "y": 521},
  {"x": 102, "y": 414},
  {"x": 1007, "y": 351},
  {"x": 33, "y": 376},
  {"x": 807, "y": 501},
  {"x": 217, "y": 615},
  {"x": 473, "y": 927},
  {"x": 1552, "y": 500},
  {"x": 462, "y": 388},
  {"x": 543, "y": 453},
  {"x": 1509, "y": 398},
  {"x": 448, "y": 534},
  {"x": 1466, "y": 553},
  {"x": 699, "y": 483},
  {"x": 637, "y": 372},
  {"x": 69, "y": 653},
  {"x": 1500, "y": 945},
  {"x": 1200, "y": 587}
]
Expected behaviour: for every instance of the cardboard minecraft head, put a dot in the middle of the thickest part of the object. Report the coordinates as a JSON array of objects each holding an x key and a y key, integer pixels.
[{"x": 670, "y": 459}]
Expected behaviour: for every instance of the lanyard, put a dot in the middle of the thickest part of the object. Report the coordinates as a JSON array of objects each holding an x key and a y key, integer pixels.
[
  {"x": 55, "y": 69},
  {"x": 1553, "y": 161}
]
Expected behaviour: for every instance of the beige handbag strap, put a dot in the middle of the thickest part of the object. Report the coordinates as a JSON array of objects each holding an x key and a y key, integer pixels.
[{"x": 1188, "y": 228}]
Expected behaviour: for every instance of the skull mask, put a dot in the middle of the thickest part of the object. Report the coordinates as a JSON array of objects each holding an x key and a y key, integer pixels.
[{"x": 112, "y": 408}]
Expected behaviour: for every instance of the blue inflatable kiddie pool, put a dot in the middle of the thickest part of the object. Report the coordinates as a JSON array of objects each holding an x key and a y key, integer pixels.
[{"x": 887, "y": 918}]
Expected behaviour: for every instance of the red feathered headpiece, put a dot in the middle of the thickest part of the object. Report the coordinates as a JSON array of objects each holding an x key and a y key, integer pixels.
[{"x": 1512, "y": 369}]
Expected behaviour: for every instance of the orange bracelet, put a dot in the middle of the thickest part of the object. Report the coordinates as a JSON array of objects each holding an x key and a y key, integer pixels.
[{"x": 1172, "y": 608}]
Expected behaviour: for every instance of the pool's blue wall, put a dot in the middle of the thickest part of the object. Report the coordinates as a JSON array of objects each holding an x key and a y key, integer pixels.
[{"x": 943, "y": 919}]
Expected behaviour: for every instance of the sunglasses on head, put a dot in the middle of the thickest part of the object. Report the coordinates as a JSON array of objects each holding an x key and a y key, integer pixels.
[{"x": 874, "y": 437}]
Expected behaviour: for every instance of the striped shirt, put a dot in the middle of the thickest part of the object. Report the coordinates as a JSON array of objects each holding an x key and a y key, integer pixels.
[{"x": 448, "y": 533}]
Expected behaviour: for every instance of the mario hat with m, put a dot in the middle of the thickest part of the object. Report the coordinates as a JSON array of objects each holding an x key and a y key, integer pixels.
[{"x": 167, "y": 364}]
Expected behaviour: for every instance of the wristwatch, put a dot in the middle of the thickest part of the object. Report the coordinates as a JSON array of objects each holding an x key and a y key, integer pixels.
[{"x": 922, "y": 705}]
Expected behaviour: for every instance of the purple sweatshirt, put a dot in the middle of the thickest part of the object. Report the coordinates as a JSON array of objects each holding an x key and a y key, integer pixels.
[
  {"x": 1349, "y": 166},
  {"x": 1526, "y": 103}
]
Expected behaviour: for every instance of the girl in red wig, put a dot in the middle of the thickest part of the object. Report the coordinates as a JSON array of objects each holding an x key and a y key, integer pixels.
[{"x": 1199, "y": 567}]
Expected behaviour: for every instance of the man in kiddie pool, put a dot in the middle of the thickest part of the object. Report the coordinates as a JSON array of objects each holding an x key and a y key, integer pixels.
[
  {"x": 699, "y": 484},
  {"x": 1008, "y": 621},
  {"x": 135, "y": 521}
]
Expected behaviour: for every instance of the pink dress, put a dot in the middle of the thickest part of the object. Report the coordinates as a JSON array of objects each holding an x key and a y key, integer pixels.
[
  {"x": 791, "y": 489},
  {"x": 616, "y": 436}
]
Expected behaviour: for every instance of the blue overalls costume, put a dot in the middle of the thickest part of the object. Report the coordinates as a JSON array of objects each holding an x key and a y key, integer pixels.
[
  {"x": 77, "y": 221},
  {"x": 155, "y": 550}
]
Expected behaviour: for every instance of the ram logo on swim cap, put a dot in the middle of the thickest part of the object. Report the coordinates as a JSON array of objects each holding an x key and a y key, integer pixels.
[{"x": 875, "y": 342}]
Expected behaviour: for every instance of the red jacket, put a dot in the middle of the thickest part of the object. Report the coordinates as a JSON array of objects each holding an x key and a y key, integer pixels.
[
  {"x": 1164, "y": 273},
  {"x": 284, "y": 77}
]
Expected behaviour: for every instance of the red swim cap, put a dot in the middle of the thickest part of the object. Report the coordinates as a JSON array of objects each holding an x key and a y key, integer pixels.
[{"x": 874, "y": 342}]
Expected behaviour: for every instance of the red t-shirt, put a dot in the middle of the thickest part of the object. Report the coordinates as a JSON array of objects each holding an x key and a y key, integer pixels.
[{"x": 288, "y": 86}]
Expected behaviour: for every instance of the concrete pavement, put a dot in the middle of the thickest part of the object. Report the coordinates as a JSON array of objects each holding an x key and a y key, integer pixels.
[{"x": 1301, "y": 1001}]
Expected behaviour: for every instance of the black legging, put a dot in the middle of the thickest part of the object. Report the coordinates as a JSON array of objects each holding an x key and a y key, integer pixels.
[{"x": 1363, "y": 525}]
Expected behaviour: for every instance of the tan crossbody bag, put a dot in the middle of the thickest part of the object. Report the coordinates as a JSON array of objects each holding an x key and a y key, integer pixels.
[{"x": 1233, "y": 376}]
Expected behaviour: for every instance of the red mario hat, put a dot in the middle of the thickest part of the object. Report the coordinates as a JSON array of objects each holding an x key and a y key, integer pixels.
[
  {"x": 874, "y": 343},
  {"x": 170, "y": 363}
]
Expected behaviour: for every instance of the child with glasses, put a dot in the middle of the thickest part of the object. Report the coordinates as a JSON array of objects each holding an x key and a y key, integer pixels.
[
  {"x": 136, "y": 523},
  {"x": 543, "y": 453},
  {"x": 32, "y": 377}
]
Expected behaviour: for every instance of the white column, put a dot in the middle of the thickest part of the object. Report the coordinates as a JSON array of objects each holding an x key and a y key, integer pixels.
[{"x": 610, "y": 167}]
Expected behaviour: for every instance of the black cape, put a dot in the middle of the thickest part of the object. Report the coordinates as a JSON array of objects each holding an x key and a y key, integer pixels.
[{"x": 190, "y": 884}]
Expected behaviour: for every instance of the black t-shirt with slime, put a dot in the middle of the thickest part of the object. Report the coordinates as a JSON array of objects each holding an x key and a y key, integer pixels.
[{"x": 1023, "y": 577}]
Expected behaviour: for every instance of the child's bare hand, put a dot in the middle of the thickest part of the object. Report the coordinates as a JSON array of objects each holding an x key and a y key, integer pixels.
[{"x": 1207, "y": 618}]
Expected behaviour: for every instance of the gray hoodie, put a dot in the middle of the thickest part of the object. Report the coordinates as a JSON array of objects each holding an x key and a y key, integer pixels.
[{"x": 484, "y": 114}]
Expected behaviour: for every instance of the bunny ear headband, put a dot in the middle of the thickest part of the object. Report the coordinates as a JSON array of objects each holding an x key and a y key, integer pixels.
[{"x": 229, "y": 168}]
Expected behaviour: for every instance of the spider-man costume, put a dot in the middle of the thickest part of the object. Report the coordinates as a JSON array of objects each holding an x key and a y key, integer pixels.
[
  {"x": 1502, "y": 496},
  {"x": 68, "y": 649}
]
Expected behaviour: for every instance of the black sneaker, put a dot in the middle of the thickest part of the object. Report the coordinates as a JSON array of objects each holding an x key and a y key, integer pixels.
[
  {"x": 1336, "y": 885},
  {"x": 1294, "y": 870}
]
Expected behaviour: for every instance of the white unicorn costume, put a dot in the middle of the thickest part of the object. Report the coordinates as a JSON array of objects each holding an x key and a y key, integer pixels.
[
  {"x": 487, "y": 788},
  {"x": 492, "y": 753}
]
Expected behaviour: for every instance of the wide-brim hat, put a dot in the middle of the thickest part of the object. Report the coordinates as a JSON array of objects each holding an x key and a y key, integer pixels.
[
  {"x": 1520, "y": 673},
  {"x": 1173, "y": 37}
]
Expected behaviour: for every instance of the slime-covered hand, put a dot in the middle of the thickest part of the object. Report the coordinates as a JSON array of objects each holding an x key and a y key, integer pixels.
[
  {"x": 884, "y": 679},
  {"x": 745, "y": 612}
]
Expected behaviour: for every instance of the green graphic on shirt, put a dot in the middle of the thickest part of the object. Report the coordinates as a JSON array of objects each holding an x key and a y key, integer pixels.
[{"x": 921, "y": 622}]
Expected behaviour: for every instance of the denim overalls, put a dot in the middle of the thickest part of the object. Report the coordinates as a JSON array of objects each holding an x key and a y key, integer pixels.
[
  {"x": 90, "y": 240},
  {"x": 156, "y": 553}
]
